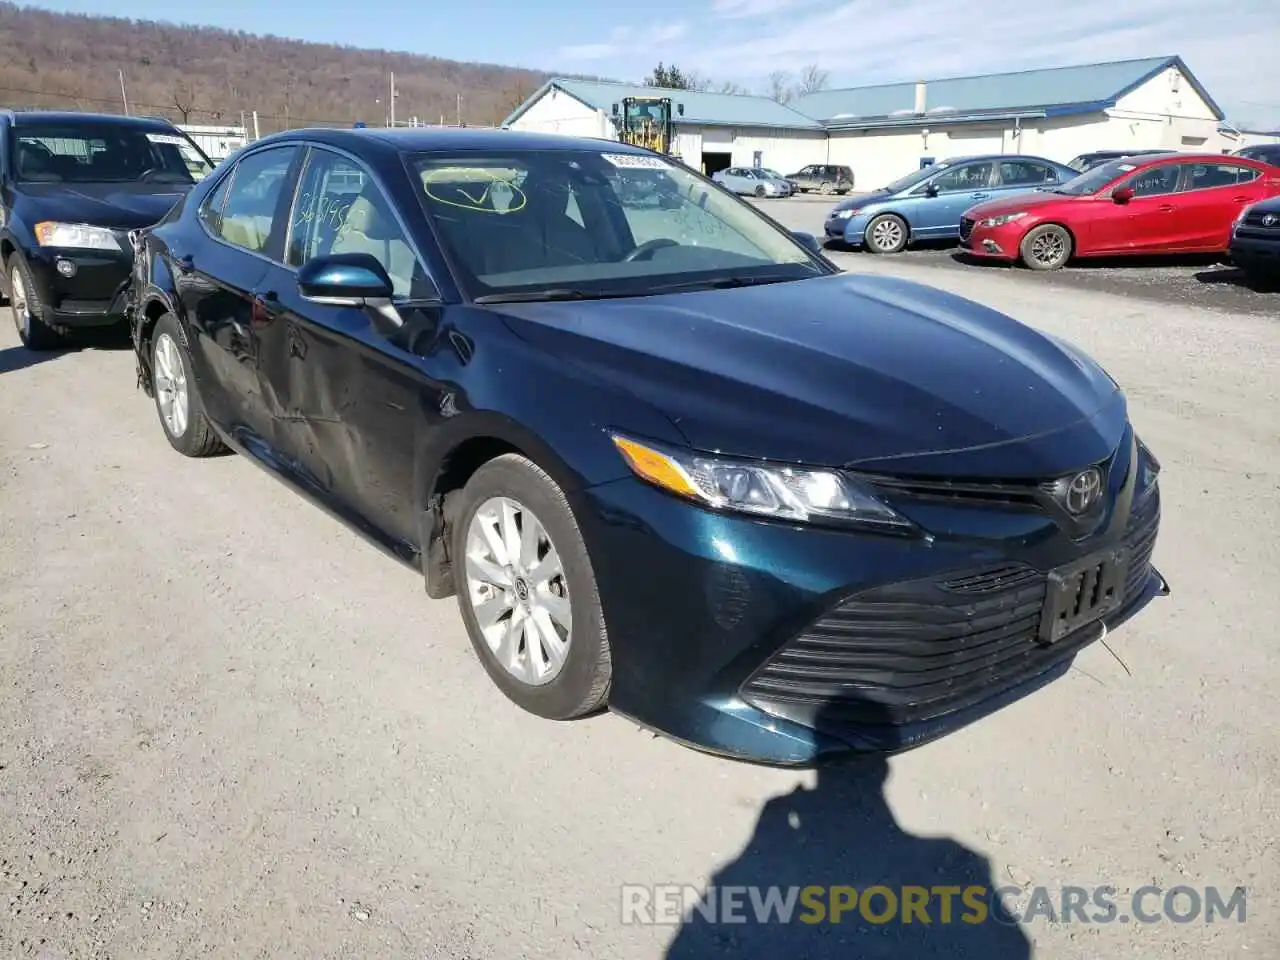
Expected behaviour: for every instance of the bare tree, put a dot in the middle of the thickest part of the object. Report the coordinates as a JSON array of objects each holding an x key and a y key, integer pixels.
[
  {"x": 736, "y": 89},
  {"x": 812, "y": 79},
  {"x": 184, "y": 99},
  {"x": 780, "y": 86}
]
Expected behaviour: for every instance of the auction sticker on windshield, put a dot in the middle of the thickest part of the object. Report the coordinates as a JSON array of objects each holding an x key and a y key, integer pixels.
[
  {"x": 166, "y": 138},
  {"x": 636, "y": 162}
]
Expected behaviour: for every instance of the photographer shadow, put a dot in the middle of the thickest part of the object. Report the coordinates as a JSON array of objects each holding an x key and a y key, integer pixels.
[{"x": 841, "y": 833}]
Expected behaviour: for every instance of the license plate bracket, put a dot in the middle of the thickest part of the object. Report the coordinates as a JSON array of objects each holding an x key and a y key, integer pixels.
[{"x": 1082, "y": 592}]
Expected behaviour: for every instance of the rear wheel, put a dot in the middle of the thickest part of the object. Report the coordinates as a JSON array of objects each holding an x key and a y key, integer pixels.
[
  {"x": 886, "y": 233},
  {"x": 527, "y": 591},
  {"x": 29, "y": 312},
  {"x": 177, "y": 400},
  {"x": 1047, "y": 247}
]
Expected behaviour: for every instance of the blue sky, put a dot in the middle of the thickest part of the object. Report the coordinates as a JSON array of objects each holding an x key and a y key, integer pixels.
[{"x": 1231, "y": 47}]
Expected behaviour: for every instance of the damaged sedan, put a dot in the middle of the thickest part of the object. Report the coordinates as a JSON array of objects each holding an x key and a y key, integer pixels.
[{"x": 669, "y": 459}]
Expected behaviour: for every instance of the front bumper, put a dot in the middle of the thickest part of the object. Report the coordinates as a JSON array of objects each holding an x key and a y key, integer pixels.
[
  {"x": 786, "y": 645},
  {"x": 1256, "y": 250},
  {"x": 96, "y": 292},
  {"x": 847, "y": 230},
  {"x": 994, "y": 243}
]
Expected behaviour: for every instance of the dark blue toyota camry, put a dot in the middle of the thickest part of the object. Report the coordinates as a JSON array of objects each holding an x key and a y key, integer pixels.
[{"x": 669, "y": 458}]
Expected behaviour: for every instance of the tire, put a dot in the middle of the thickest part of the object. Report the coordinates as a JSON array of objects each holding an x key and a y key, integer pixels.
[
  {"x": 29, "y": 312},
  {"x": 826, "y": 189},
  {"x": 581, "y": 684},
  {"x": 760, "y": 192},
  {"x": 191, "y": 434},
  {"x": 886, "y": 233},
  {"x": 1047, "y": 247}
]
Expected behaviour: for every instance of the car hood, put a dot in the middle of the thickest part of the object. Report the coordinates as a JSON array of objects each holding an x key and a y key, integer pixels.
[
  {"x": 1267, "y": 206},
  {"x": 1018, "y": 202},
  {"x": 117, "y": 206},
  {"x": 858, "y": 200},
  {"x": 844, "y": 370}
]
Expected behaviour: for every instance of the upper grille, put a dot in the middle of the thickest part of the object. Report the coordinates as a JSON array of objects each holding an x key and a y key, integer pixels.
[
  {"x": 1254, "y": 219},
  {"x": 914, "y": 651}
]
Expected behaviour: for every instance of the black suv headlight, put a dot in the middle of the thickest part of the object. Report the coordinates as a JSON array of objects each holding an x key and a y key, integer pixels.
[{"x": 1148, "y": 470}]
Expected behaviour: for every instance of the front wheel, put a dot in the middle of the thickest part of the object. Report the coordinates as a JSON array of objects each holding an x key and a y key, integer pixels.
[
  {"x": 760, "y": 192},
  {"x": 29, "y": 312},
  {"x": 177, "y": 401},
  {"x": 886, "y": 233},
  {"x": 527, "y": 591},
  {"x": 1047, "y": 247}
]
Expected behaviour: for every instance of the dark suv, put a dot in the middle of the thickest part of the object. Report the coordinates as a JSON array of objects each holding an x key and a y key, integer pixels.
[
  {"x": 1266, "y": 152},
  {"x": 72, "y": 186},
  {"x": 823, "y": 177}
]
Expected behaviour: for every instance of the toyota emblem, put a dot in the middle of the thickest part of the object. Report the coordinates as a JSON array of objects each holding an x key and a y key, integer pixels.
[
  {"x": 1269, "y": 219},
  {"x": 1082, "y": 492}
]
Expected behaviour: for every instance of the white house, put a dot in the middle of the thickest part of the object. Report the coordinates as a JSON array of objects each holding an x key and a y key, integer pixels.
[{"x": 882, "y": 132}]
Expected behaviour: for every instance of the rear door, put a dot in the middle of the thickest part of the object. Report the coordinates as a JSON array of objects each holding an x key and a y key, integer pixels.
[
  {"x": 1021, "y": 176},
  {"x": 217, "y": 272},
  {"x": 1211, "y": 196},
  {"x": 355, "y": 398}
]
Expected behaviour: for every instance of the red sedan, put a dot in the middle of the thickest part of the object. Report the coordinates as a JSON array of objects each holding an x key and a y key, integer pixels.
[{"x": 1168, "y": 203}]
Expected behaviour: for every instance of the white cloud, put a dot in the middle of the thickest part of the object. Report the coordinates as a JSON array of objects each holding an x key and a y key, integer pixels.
[
  {"x": 1229, "y": 47},
  {"x": 623, "y": 42}
]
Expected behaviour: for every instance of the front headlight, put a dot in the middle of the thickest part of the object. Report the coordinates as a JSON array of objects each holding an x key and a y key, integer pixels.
[
  {"x": 1148, "y": 469},
  {"x": 776, "y": 490},
  {"x": 78, "y": 236},
  {"x": 843, "y": 214},
  {"x": 1002, "y": 219}
]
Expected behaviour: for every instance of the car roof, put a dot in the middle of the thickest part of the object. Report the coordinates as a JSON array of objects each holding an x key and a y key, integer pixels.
[
  {"x": 51, "y": 118},
  {"x": 438, "y": 139}
]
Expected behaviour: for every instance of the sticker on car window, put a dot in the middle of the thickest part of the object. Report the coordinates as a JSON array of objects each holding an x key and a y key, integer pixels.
[
  {"x": 1126, "y": 167},
  {"x": 172, "y": 138},
  {"x": 473, "y": 189},
  {"x": 633, "y": 161}
]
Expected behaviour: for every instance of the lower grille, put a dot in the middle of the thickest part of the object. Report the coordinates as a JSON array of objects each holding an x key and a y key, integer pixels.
[
  {"x": 966, "y": 227},
  {"x": 914, "y": 651}
]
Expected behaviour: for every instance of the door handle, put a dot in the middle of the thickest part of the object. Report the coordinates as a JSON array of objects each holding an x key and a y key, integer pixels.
[
  {"x": 1166, "y": 208},
  {"x": 1241, "y": 199},
  {"x": 266, "y": 307},
  {"x": 979, "y": 196}
]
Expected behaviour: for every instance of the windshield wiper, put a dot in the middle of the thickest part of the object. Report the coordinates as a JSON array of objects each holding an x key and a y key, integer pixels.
[
  {"x": 553, "y": 293},
  {"x": 723, "y": 283}
]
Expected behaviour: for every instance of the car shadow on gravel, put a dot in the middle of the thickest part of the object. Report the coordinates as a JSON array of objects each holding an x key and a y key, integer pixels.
[
  {"x": 1235, "y": 277},
  {"x": 19, "y": 357},
  {"x": 842, "y": 834}
]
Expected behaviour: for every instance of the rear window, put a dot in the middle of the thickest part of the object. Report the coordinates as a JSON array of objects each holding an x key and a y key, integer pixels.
[{"x": 104, "y": 153}]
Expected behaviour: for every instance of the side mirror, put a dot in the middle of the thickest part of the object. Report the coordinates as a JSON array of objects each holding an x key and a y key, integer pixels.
[
  {"x": 808, "y": 240},
  {"x": 351, "y": 280},
  {"x": 1122, "y": 194}
]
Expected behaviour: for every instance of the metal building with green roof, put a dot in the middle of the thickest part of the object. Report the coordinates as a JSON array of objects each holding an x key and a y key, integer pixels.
[{"x": 885, "y": 130}]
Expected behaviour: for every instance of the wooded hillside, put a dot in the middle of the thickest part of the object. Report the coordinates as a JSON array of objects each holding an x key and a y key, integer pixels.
[{"x": 206, "y": 75}]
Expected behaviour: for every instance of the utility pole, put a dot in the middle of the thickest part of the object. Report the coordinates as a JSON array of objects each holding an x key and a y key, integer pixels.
[
  {"x": 123, "y": 96},
  {"x": 392, "y": 106},
  {"x": 459, "y": 109},
  {"x": 257, "y": 134}
]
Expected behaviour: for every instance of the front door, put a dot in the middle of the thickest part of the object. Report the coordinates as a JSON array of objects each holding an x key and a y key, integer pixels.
[
  {"x": 1149, "y": 220},
  {"x": 356, "y": 396},
  {"x": 216, "y": 279}
]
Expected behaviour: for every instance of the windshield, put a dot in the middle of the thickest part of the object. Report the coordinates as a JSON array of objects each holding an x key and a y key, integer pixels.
[
  {"x": 105, "y": 153},
  {"x": 911, "y": 179},
  {"x": 563, "y": 222},
  {"x": 772, "y": 174},
  {"x": 1095, "y": 179}
]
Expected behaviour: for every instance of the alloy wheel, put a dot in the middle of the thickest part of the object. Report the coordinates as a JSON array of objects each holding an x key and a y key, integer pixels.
[
  {"x": 171, "y": 386},
  {"x": 887, "y": 234},
  {"x": 1049, "y": 248},
  {"x": 18, "y": 303},
  {"x": 518, "y": 592}
]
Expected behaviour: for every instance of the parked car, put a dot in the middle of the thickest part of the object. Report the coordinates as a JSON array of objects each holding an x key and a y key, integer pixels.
[
  {"x": 1170, "y": 203},
  {"x": 673, "y": 462},
  {"x": 1255, "y": 242},
  {"x": 826, "y": 178},
  {"x": 1266, "y": 152},
  {"x": 71, "y": 186},
  {"x": 753, "y": 181},
  {"x": 926, "y": 204},
  {"x": 1087, "y": 161}
]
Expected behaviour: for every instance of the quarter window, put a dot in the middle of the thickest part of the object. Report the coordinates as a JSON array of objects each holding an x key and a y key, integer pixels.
[
  {"x": 340, "y": 209},
  {"x": 249, "y": 214}
]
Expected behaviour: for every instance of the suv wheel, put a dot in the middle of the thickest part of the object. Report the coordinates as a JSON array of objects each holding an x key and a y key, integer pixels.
[
  {"x": 826, "y": 188},
  {"x": 527, "y": 591},
  {"x": 29, "y": 312}
]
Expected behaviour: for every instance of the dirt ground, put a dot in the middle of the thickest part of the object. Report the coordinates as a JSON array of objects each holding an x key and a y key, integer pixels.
[{"x": 229, "y": 728}]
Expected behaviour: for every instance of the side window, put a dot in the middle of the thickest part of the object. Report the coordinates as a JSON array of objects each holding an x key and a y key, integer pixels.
[
  {"x": 970, "y": 176},
  {"x": 340, "y": 209},
  {"x": 1205, "y": 176},
  {"x": 1024, "y": 173},
  {"x": 248, "y": 216},
  {"x": 211, "y": 209},
  {"x": 1155, "y": 181}
]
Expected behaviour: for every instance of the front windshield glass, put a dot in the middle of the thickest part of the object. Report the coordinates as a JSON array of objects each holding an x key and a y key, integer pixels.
[
  {"x": 772, "y": 174},
  {"x": 587, "y": 223},
  {"x": 1091, "y": 181},
  {"x": 105, "y": 153},
  {"x": 911, "y": 179}
]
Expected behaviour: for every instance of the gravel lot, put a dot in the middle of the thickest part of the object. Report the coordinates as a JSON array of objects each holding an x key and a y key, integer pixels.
[
  {"x": 1196, "y": 282},
  {"x": 232, "y": 729}
]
